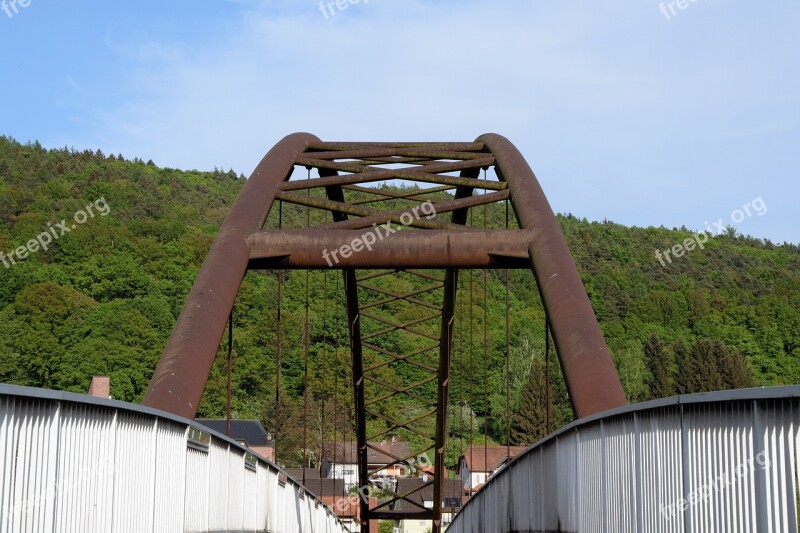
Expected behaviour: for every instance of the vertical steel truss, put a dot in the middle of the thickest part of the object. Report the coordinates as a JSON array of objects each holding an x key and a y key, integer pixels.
[{"x": 440, "y": 244}]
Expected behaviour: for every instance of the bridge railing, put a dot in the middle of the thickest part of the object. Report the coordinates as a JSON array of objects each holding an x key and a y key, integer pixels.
[
  {"x": 724, "y": 461},
  {"x": 72, "y": 463}
]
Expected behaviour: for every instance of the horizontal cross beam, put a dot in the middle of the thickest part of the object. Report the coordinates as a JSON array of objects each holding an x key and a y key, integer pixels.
[
  {"x": 379, "y": 248},
  {"x": 402, "y": 515}
]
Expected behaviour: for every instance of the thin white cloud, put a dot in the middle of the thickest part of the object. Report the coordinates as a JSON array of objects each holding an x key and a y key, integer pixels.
[
  {"x": 613, "y": 105},
  {"x": 386, "y": 71}
]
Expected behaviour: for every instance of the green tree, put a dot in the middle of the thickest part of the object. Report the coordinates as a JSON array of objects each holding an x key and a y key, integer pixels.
[
  {"x": 685, "y": 379},
  {"x": 9, "y": 365},
  {"x": 530, "y": 422},
  {"x": 35, "y": 327},
  {"x": 711, "y": 366},
  {"x": 632, "y": 370},
  {"x": 104, "y": 297},
  {"x": 736, "y": 371},
  {"x": 657, "y": 359},
  {"x": 385, "y": 526}
]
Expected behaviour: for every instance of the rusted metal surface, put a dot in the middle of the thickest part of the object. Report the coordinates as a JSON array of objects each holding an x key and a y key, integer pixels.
[
  {"x": 459, "y": 204},
  {"x": 336, "y": 194},
  {"x": 437, "y": 152},
  {"x": 379, "y": 195},
  {"x": 368, "y": 215},
  {"x": 180, "y": 377},
  {"x": 363, "y": 174},
  {"x": 446, "y": 146},
  {"x": 445, "y": 347},
  {"x": 430, "y": 243},
  {"x": 356, "y": 351},
  {"x": 591, "y": 377},
  {"x": 434, "y": 249}
]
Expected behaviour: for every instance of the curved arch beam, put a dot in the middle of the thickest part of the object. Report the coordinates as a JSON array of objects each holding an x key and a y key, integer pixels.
[
  {"x": 591, "y": 377},
  {"x": 180, "y": 378},
  {"x": 181, "y": 375}
]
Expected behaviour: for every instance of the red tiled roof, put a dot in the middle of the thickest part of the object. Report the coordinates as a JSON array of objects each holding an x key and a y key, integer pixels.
[
  {"x": 485, "y": 459},
  {"x": 343, "y": 506}
]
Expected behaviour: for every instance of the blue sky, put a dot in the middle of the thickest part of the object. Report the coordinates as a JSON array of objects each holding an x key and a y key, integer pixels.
[{"x": 624, "y": 114}]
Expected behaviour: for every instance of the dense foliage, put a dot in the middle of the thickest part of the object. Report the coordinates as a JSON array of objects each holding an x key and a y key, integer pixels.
[{"x": 102, "y": 299}]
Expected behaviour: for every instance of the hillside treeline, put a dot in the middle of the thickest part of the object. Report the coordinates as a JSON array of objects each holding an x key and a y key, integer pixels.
[{"x": 103, "y": 297}]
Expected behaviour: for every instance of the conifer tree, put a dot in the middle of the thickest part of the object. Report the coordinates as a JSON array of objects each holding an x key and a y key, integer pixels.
[
  {"x": 708, "y": 356},
  {"x": 735, "y": 369},
  {"x": 681, "y": 362},
  {"x": 530, "y": 421},
  {"x": 710, "y": 366},
  {"x": 657, "y": 360}
]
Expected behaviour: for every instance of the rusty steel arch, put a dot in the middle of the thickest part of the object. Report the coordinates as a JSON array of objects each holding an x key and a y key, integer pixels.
[{"x": 437, "y": 243}]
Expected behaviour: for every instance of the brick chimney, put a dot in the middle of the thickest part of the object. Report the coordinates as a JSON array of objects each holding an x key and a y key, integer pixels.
[{"x": 100, "y": 387}]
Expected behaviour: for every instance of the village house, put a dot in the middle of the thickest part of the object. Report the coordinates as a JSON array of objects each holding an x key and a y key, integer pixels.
[
  {"x": 452, "y": 500},
  {"x": 479, "y": 463},
  {"x": 340, "y": 461}
]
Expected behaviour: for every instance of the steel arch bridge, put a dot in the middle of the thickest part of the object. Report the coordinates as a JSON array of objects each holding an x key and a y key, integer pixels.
[{"x": 344, "y": 187}]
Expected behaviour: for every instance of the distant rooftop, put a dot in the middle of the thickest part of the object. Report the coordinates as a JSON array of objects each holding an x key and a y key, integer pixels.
[
  {"x": 378, "y": 453},
  {"x": 297, "y": 473},
  {"x": 324, "y": 488},
  {"x": 452, "y": 494},
  {"x": 487, "y": 458},
  {"x": 251, "y": 432}
]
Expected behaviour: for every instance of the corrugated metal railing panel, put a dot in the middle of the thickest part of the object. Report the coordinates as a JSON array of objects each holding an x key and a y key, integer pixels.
[
  {"x": 261, "y": 501},
  {"x": 86, "y": 451},
  {"x": 218, "y": 479},
  {"x": 718, "y": 462},
  {"x": 72, "y": 464},
  {"x": 274, "y": 500},
  {"x": 6, "y": 461},
  {"x": 28, "y": 465},
  {"x": 198, "y": 491},
  {"x": 513, "y": 489},
  {"x": 568, "y": 483},
  {"x": 171, "y": 458},
  {"x": 592, "y": 486},
  {"x": 549, "y": 489},
  {"x": 622, "y": 483},
  {"x": 660, "y": 452},
  {"x": 287, "y": 499},
  {"x": 249, "y": 498},
  {"x": 777, "y": 430},
  {"x": 134, "y": 463},
  {"x": 235, "y": 506}
]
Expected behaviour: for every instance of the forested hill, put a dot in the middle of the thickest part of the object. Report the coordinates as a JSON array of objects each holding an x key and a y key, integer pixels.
[{"x": 103, "y": 297}]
